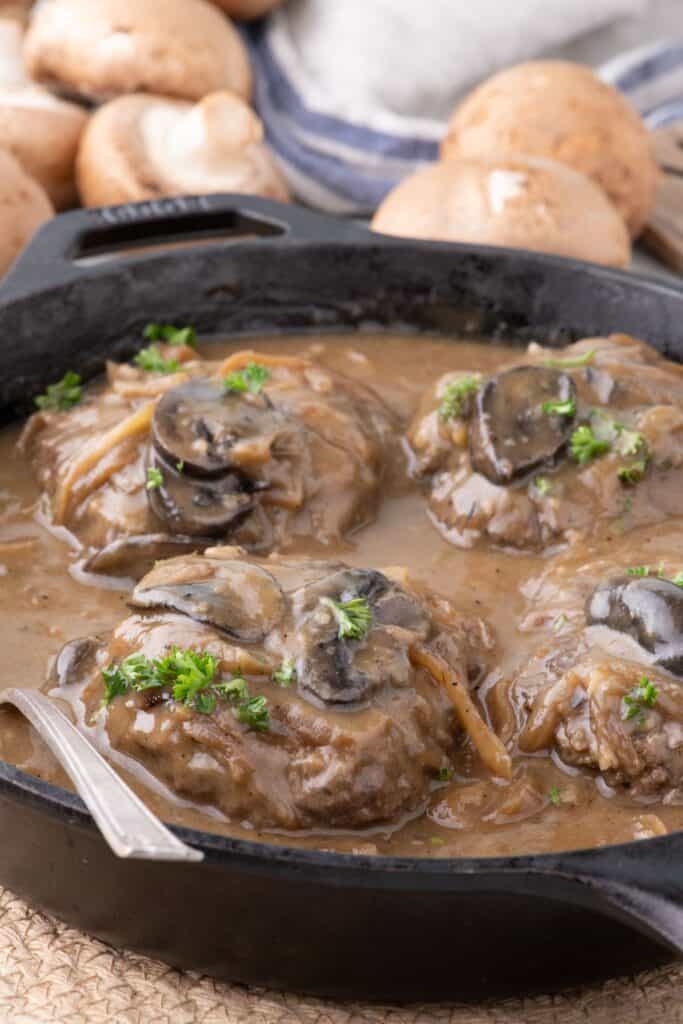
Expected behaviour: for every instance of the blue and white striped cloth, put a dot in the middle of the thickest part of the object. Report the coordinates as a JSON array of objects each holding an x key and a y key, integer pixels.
[
  {"x": 652, "y": 78},
  {"x": 347, "y": 119}
]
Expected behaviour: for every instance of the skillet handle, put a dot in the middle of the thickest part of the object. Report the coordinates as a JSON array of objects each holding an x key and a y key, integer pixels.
[
  {"x": 640, "y": 884},
  {"x": 49, "y": 259}
]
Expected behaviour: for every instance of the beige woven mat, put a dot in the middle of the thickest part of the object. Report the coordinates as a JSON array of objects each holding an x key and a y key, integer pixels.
[{"x": 51, "y": 973}]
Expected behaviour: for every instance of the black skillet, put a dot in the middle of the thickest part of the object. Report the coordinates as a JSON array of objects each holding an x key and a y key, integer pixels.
[{"x": 325, "y": 923}]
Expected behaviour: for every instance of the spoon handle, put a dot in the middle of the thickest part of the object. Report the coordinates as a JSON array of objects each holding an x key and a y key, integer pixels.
[{"x": 128, "y": 826}]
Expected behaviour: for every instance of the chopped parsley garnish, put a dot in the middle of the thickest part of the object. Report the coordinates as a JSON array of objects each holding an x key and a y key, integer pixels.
[
  {"x": 555, "y": 796},
  {"x": 234, "y": 690},
  {"x": 187, "y": 672},
  {"x": 560, "y": 408},
  {"x": 585, "y": 446},
  {"x": 285, "y": 675},
  {"x": 543, "y": 486},
  {"x": 354, "y": 617},
  {"x": 151, "y": 360},
  {"x": 559, "y": 623},
  {"x": 251, "y": 378},
  {"x": 191, "y": 677},
  {"x": 631, "y": 442},
  {"x": 437, "y": 841},
  {"x": 641, "y": 697},
  {"x": 180, "y": 465},
  {"x": 454, "y": 402},
  {"x": 632, "y": 474},
  {"x": 571, "y": 363},
  {"x": 254, "y": 712},
  {"x": 155, "y": 478},
  {"x": 445, "y": 774},
  {"x": 171, "y": 335},
  {"x": 63, "y": 395},
  {"x": 646, "y": 570}
]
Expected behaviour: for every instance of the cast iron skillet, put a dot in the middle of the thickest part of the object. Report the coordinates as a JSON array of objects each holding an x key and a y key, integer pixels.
[{"x": 325, "y": 923}]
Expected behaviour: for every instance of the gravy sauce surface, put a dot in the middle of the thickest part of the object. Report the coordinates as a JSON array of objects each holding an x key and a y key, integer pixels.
[{"x": 547, "y": 806}]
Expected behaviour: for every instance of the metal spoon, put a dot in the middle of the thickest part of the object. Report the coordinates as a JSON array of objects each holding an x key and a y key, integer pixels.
[{"x": 128, "y": 826}]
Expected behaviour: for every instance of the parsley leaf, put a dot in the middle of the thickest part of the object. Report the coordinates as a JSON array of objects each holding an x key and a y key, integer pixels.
[
  {"x": 354, "y": 617},
  {"x": 151, "y": 360},
  {"x": 251, "y": 378},
  {"x": 555, "y": 796},
  {"x": 155, "y": 478},
  {"x": 136, "y": 672},
  {"x": 631, "y": 442},
  {"x": 233, "y": 690},
  {"x": 63, "y": 395},
  {"x": 285, "y": 675},
  {"x": 642, "y": 696},
  {"x": 560, "y": 408},
  {"x": 191, "y": 678},
  {"x": 585, "y": 446},
  {"x": 188, "y": 672},
  {"x": 645, "y": 570},
  {"x": 254, "y": 713},
  {"x": 114, "y": 683},
  {"x": 455, "y": 398},
  {"x": 632, "y": 474},
  {"x": 571, "y": 363},
  {"x": 445, "y": 774},
  {"x": 171, "y": 335},
  {"x": 543, "y": 486}
]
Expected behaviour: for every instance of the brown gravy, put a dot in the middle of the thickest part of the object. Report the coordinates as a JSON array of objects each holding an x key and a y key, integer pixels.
[{"x": 42, "y": 606}]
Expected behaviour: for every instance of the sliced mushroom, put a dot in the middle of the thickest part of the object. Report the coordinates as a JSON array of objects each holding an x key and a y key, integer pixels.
[
  {"x": 241, "y": 599},
  {"x": 135, "y": 556},
  {"x": 344, "y": 671},
  {"x": 510, "y": 434},
  {"x": 198, "y": 506},
  {"x": 74, "y": 660},
  {"x": 649, "y": 610},
  {"x": 199, "y": 423}
]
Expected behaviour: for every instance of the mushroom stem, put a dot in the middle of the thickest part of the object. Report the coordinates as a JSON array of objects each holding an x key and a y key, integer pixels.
[
  {"x": 490, "y": 748},
  {"x": 135, "y": 424}
]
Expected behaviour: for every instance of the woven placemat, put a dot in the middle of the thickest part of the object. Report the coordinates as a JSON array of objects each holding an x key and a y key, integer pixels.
[{"x": 51, "y": 973}]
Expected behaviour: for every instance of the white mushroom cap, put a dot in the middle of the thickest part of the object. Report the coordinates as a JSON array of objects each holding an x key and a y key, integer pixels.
[
  {"x": 523, "y": 202},
  {"x": 562, "y": 111},
  {"x": 106, "y": 48},
  {"x": 141, "y": 147},
  {"x": 246, "y": 9},
  {"x": 41, "y": 131},
  {"x": 24, "y": 206}
]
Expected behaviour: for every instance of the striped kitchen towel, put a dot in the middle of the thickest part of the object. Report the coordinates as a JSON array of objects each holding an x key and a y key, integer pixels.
[{"x": 356, "y": 95}]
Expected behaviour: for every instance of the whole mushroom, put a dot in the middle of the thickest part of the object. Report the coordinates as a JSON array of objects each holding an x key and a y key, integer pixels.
[
  {"x": 247, "y": 9},
  {"x": 141, "y": 147},
  {"x": 99, "y": 49},
  {"x": 25, "y": 206},
  {"x": 561, "y": 111},
  {"x": 39, "y": 129},
  {"x": 522, "y": 202}
]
